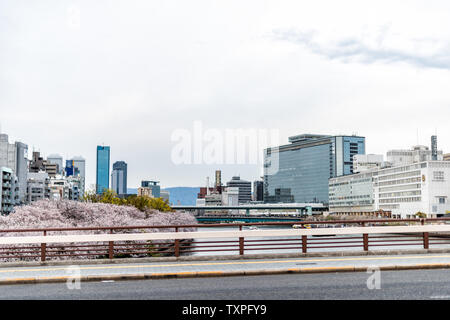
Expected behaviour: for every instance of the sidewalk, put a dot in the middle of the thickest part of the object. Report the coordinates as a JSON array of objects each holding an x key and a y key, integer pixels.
[{"x": 244, "y": 267}]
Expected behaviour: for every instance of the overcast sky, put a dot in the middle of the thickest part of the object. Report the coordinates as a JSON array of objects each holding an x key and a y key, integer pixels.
[{"x": 128, "y": 74}]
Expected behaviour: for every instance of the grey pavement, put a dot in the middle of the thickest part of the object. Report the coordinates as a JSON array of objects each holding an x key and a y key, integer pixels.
[
  {"x": 25, "y": 272},
  {"x": 394, "y": 285}
]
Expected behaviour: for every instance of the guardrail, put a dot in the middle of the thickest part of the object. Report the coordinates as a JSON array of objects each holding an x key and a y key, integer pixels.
[{"x": 367, "y": 235}]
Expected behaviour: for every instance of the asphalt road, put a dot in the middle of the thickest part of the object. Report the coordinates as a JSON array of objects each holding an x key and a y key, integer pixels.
[
  {"x": 413, "y": 284},
  {"x": 223, "y": 266}
]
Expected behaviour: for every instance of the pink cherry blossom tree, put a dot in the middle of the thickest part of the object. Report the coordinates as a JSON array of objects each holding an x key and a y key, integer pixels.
[{"x": 67, "y": 214}]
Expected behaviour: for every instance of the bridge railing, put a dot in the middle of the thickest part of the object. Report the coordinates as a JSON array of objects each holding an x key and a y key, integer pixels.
[{"x": 138, "y": 241}]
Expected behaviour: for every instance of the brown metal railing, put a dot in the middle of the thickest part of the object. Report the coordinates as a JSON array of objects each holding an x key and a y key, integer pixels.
[{"x": 241, "y": 246}]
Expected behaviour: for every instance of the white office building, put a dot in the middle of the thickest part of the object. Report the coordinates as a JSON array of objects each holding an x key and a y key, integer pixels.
[
  {"x": 230, "y": 196},
  {"x": 37, "y": 186},
  {"x": 15, "y": 157},
  {"x": 352, "y": 193},
  {"x": 67, "y": 188},
  {"x": 414, "y": 155},
  {"x": 403, "y": 190}
]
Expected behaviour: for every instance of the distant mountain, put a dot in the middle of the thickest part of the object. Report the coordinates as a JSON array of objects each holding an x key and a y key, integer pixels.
[
  {"x": 185, "y": 195},
  {"x": 131, "y": 190}
]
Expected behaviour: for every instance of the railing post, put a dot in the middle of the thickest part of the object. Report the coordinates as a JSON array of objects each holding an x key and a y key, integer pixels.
[
  {"x": 241, "y": 246},
  {"x": 111, "y": 247},
  {"x": 426, "y": 242},
  {"x": 241, "y": 243},
  {"x": 177, "y": 245},
  {"x": 304, "y": 244},
  {"x": 43, "y": 249},
  {"x": 366, "y": 242}
]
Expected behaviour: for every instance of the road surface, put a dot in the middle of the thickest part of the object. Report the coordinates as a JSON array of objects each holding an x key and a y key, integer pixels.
[
  {"x": 183, "y": 267},
  {"x": 408, "y": 284}
]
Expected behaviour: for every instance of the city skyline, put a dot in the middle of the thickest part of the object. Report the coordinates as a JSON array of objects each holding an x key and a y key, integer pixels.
[{"x": 207, "y": 173}]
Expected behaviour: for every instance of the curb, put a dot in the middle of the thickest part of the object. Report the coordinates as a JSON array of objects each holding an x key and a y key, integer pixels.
[
  {"x": 221, "y": 257},
  {"x": 207, "y": 274}
]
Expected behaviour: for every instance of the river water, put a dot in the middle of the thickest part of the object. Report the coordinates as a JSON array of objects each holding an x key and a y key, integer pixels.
[{"x": 315, "y": 241}]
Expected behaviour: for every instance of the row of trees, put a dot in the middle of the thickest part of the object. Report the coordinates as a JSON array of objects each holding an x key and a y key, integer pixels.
[{"x": 140, "y": 202}]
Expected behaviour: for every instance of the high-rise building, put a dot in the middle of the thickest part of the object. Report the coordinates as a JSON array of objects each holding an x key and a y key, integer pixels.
[
  {"x": 245, "y": 188},
  {"x": 21, "y": 169},
  {"x": 153, "y": 186},
  {"x": 103, "y": 166},
  {"x": 71, "y": 169},
  {"x": 37, "y": 186},
  {"x": 51, "y": 169},
  {"x": 218, "y": 179},
  {"x": 119, "y": 178},
  {"x": 8, "y": 153},
  {"x": 15, "y": 157},
  {"x": 258, "y": 190},
  {"x": 56, "y": 159},
  {"x": 8, "y": 190},
  {"x": 80, "y": 164},
  {"x": 305, "y": 165},
  {"x": 77, "y": 167},
  {"x": 434, "y": 150},
  {"x": 37, "y": 163}
]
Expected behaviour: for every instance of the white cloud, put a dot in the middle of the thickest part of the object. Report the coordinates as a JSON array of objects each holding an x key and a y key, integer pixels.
[{"x": 130, "y": 73}]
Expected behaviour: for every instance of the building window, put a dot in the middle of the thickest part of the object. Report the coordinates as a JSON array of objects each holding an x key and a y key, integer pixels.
[{"x": 438, "y": 175}]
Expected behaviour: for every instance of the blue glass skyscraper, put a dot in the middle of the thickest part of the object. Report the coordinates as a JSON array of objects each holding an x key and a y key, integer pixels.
[
  {"x": 102, "y": 181},
  {"x": 306, "y": 164}
]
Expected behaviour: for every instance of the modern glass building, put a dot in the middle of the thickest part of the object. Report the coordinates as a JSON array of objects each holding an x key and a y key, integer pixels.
[
  {"x": 77, "y": 167},
  {"x": 119, "y": 178},
  {"x": 102, "y": 179},
  {"x": 71, "y": 169},
  {"x": 306, "y": 165},
  {"x": 258, "y": 190}
]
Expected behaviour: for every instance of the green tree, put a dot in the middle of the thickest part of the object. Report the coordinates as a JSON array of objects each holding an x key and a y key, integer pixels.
[
  {"x": 420, "y": 215},
  {"x": 140, "y": 202}
]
